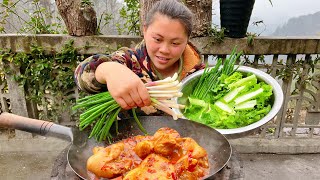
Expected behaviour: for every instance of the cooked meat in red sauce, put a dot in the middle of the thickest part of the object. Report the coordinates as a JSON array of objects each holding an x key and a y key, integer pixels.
[{"x": 165, "y": 155}]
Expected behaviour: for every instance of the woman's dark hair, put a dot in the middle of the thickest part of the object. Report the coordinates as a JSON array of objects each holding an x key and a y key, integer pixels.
[{"x": 174, "y": 10}]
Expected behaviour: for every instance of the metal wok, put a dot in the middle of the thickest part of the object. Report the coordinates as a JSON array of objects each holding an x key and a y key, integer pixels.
[{"x": 217, "y": 146}]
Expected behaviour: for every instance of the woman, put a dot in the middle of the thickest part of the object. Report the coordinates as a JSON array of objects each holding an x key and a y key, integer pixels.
[{"x": 164, "y": 50}]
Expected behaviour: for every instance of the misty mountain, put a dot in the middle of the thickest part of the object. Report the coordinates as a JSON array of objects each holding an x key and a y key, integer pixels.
[{"x": 306, "y": 25}]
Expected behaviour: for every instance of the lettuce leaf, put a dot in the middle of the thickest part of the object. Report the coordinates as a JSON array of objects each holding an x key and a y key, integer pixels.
[{"x": 238, "y": 101}]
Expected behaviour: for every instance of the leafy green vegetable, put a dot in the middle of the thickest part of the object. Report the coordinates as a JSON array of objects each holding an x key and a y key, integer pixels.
[
  {"x": 246, "y": 105},
  {"x": 247, "y": 80},
  {"x": 232, "y": 94},
  {"x": 237, "y": 101},
  {"x": 225, "y": 98}
]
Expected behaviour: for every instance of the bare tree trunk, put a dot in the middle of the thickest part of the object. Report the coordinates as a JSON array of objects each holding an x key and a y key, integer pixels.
[
  {"x": 80, "y": 20},
  {"x": 202, "y": 11},
  {"x": 145, "y": 6}
]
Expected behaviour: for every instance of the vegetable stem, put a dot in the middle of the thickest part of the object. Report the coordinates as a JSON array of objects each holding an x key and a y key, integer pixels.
[
  {"x": 101, "y": 110},
  {"x": 138, "y": 122}
]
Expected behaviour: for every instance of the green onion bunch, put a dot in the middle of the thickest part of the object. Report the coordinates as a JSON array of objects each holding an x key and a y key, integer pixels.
[
  {"x": 210, "y": 78},
  {"x": 101, "y": 110}
]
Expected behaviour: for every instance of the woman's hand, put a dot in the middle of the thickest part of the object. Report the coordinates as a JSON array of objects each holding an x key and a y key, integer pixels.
[{"x": 124, "y": 85}]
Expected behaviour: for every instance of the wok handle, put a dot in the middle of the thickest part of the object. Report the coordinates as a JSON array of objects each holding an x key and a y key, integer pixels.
[{"x": 36, "y": 126}]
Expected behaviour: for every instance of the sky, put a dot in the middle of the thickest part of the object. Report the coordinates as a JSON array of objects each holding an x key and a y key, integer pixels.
[
  {"x": 278, "y": 14},
  {"x": 282, "y": 9}
]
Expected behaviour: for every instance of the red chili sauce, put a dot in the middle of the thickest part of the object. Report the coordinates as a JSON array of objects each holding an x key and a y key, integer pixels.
[{"x": 164, "y": 155}]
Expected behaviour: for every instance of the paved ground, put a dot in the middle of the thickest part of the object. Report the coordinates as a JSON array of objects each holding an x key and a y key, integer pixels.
[
  {"x": 33, "y": 160},
  {"x": 37, "y": 166},
  {"x": 26, "y": 165},
  {"x": 281, "y": 167}
]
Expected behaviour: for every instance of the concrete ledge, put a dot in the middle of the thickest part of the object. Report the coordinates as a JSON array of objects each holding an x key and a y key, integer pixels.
[
  {"x": 278, "y": 146},
  {"x": 107, "y": 43}
]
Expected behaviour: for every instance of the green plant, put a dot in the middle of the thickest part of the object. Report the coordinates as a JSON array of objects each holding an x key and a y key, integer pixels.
[
  {"x": 36, "y": 21},
  {"x": 299, "y": 70},
  {"x": 216, "y": 34},
  {"x": 251, "y": 36},
  {"x": 39, "y": 19},
  {"x": 130, "y": 16},
  {"x": 107, "y": 17},
  {"x": 47, "y": 78}
]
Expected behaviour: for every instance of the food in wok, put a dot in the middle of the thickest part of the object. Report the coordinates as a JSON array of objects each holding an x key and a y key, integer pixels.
[{"x": 164, "y": 155}]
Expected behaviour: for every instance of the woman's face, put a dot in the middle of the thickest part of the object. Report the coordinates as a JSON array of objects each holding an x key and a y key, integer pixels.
[{"x": 165, "y": 40}]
